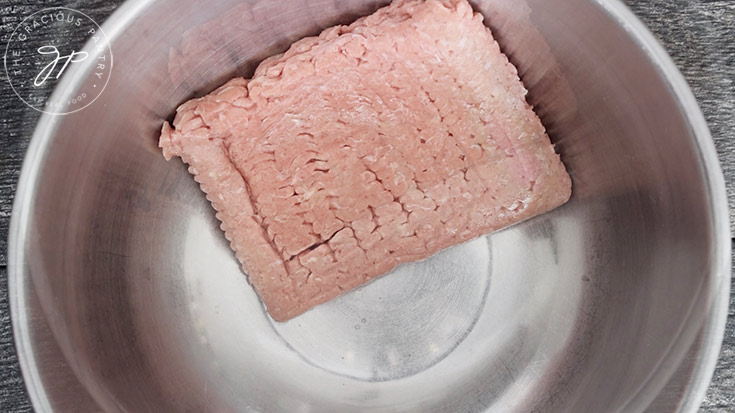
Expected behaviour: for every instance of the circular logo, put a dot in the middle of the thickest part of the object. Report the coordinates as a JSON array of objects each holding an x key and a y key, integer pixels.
[{"x": 44, "y": 46}]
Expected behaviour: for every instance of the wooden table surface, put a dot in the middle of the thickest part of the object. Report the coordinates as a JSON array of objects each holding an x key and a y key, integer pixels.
[{"x": 698, "y": 34}]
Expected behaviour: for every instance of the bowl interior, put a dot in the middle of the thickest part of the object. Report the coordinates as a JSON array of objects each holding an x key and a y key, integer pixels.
[{"x": 591, "y": 307}]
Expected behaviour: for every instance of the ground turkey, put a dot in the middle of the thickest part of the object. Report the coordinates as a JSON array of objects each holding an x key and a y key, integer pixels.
[{"x": 370, "y": 145}]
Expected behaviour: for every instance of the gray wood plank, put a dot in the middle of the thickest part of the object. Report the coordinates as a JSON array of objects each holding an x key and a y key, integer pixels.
[
  {"x": 13, "y": 396},
  {"x": 721, "y": 393}
]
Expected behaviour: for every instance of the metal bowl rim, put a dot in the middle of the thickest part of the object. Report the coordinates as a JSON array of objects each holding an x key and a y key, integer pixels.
[{"x": 719, "y": 290}]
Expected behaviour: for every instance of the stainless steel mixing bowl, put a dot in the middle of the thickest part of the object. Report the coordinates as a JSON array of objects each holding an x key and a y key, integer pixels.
[{"x": 125, "y": 296}]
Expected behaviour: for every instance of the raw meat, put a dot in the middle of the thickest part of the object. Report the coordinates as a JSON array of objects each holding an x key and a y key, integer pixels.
[{"x": 370, "y": 145}]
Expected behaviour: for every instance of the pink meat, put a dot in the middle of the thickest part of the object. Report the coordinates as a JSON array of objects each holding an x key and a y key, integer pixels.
[{"x": 370, "y": 145}]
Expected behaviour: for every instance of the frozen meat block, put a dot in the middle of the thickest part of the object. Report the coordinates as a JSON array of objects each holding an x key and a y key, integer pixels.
[{"x": 370, "y": 145}]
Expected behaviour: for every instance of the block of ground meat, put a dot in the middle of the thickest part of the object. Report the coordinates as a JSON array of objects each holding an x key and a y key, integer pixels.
[{"x": 373, "y": 144}]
